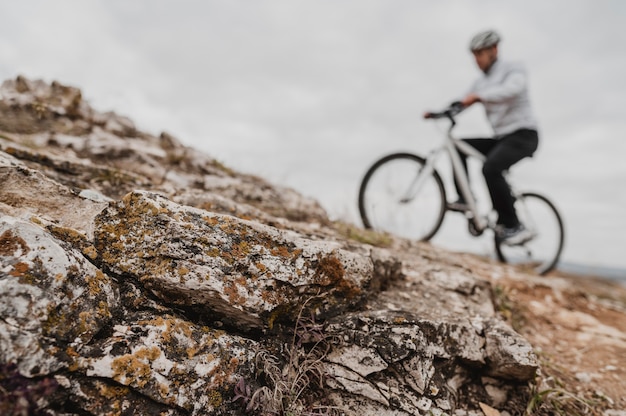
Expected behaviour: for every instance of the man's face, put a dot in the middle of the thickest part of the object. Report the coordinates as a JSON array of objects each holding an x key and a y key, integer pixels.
[{"x": 486, "y": 57}]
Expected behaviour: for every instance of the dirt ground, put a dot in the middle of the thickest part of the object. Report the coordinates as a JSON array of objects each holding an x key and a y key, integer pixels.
[{"x": 578, "y": 328}]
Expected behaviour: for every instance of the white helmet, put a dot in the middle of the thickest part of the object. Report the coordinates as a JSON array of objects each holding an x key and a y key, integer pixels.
[{"x": 484, "y": 40}]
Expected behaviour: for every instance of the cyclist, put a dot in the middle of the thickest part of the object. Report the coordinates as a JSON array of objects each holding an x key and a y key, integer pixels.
[{"x": 502, "y": 90}]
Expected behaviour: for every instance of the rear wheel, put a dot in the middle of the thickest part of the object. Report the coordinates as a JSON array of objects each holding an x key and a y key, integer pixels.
[
  {"x": 541, "y": 253},
  {"x": 398, "y": 196}
]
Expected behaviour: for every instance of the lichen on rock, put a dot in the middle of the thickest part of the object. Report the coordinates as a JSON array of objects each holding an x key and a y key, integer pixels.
[
  {"x": 145, "y": 277},
  {"x": 224, "y": 265},
  {"x": 50, "y": 296}
]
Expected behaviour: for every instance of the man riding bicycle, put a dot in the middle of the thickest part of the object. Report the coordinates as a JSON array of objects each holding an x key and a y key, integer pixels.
[{"x": 502, "y": 90}]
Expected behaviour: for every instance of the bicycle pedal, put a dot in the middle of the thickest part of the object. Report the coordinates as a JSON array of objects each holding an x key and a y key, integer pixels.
[{"x": 519, "y": 240}]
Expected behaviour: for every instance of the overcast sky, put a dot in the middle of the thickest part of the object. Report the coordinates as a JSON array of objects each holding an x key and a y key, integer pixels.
[{"x": 308, "y": 93}]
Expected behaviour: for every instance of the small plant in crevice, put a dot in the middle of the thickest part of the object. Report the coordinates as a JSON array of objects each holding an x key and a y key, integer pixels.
[
  {"x": 286, "y": 385},
  {"x": 222, "y": 167},
  {"x": 23, "y": 396},
  {"x": 363, "y": 235},
  {"x": 550, "y": 396},
  {"x": 559, "y": 401}
]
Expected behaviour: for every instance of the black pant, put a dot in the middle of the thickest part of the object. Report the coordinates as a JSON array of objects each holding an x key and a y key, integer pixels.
[{"x": 501, "y": 154}]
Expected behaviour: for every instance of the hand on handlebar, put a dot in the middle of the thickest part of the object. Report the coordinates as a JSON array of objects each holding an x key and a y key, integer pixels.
[{"x": 452, "y": 110}]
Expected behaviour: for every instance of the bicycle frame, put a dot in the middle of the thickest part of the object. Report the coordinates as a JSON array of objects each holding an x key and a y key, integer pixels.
[
  {"x": 382, "y": 204},
  {"x": 452, "y": 146}
]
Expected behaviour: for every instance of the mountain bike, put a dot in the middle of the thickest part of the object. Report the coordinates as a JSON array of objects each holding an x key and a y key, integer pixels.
[{"x": 403, "y": 194}]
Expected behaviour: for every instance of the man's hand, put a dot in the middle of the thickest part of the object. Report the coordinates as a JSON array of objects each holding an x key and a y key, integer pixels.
[
  {"x": 470, "y": 99},
  {"x": 428, "y": 114}
]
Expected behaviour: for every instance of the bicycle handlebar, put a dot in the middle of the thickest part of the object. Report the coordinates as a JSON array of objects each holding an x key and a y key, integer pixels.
[{"x": 449, "y": 113}]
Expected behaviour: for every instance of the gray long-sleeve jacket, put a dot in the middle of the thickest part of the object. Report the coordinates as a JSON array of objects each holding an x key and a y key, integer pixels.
[{"x": 504, "y": 94}]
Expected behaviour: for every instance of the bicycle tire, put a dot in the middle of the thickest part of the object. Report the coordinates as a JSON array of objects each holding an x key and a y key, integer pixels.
[
  {"x": 542, "y": 253},
  {"x": 383, "y": 208}
]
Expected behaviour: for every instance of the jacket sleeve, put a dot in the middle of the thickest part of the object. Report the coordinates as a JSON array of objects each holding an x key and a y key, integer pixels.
[{"x": 513, "y": 84}]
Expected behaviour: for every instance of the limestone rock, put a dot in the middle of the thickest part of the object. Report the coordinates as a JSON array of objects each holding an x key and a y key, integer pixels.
[
  {"x": 145, "y": 277},
  {"x": 26, "y": 192},
  {"x": 54, "y": 117},
  {"x": 50, "y": 298},
  {"x": 34, "y": 106},
  {"x": 510, "y": 356},
  {"x": 171, "y": 361},
  {"x": 222, "y": 265}
]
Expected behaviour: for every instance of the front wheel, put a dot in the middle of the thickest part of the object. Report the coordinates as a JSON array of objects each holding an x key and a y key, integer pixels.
[
  {"x": 400, "y": 196},
  {"x": 541, "y": 253}
]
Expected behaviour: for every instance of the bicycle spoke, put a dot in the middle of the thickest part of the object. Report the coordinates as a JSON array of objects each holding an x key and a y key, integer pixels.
[
  {"x": 399, "y": 196},
  {"x": 542, "y": 252}
]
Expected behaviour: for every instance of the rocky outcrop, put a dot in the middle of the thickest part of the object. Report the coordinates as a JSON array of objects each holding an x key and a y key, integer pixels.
[
  {"x": 143, "y": 277},
  {"x": 221, "y": 265}
]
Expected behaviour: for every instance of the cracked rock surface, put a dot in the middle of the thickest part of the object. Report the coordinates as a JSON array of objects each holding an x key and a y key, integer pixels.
[{"x": 146, "y": 278}]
